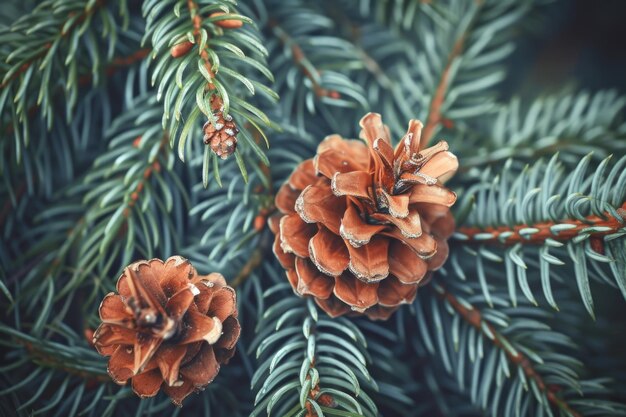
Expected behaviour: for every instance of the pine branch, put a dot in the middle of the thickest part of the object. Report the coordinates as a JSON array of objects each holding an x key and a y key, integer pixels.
[
  {"x": 111, "y": 68},
  {"x": 572, "y": 124},
  {"x": 302, "y": 62},
  {"x": 311, "y": 65},
  {"x": 33, "y": 66},
  {"x": 596, "y": 227},
  {"x": 81, "y": 362},
  {"x": 76, "y": 18},
  {"x": 507, "y": 360},
  {"x": 474, "y": 318},
  {"x": 221, "y": 79},
  {"x": 576, "y": 216},
  {"x": 311, "y": 365}
]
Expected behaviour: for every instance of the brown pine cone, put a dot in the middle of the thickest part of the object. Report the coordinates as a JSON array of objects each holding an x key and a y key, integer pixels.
[
  {"x": 167, "y": 327},
  {"x": 364, "y": 225},
  {"x": 221, "y": 136}
]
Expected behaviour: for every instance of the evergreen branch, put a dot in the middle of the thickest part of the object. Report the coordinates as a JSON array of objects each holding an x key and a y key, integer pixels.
[
  {"x": 390, "y": 90},
  {"x": 309, "y": 362},
  {"x": 254, "y": 261},
  {"x": 76, "y": 17},
  {"x": 33, "y": 66},
  {"x": 46, "y": 354},
  {"x": 110, "y": 68},
  {"x": 62, "y": 352},
  {"x": 221, "y": 78},
  {"x": 302, "y": 62},
  {"x": 474, "y": 318},
  {"x": 123, "y": 201},
  {"x": 572, "y": 124},
  {"x": 576, "y": 216},
  {"x": 507, "y": 360},
  {"x": 596, "y": 227},
  {"x": 311, "y": 65}
]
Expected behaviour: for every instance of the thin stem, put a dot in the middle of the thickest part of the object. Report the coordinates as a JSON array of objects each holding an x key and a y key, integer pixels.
[
  {"x": 197, "y": 28},
  {"x": 301, "y": 61},
  {"x": 538, "y": 233},
  {"x": 435, "y": 117},
  {"x": 473, "y": 317}
]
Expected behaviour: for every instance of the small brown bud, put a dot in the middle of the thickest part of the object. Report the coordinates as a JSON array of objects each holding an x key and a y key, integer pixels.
[
  {"x": 181, "y": 49},
  {"x": 597, "y": 244},
  {"x": 227, "y": 23},
  {"x": 327, "y": 400},
  {"x": 259, "y": 223},
  {"x": 447, "y": 123},
  {"x": 88, "y": 333}
]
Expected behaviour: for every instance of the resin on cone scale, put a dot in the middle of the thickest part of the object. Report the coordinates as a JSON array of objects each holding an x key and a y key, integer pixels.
[
  {"x": 362, "y": 224},
  {"x": 167, "y": 328}
]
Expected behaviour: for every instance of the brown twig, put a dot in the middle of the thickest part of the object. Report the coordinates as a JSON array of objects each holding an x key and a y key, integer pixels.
[
  {"x": 473, "y": 317},
  {"x": 147, "y": 173},
  {"x": 434, "y": 113},
  {"x": 542, "y": 231},
  {"x": 197, "y": 27},
  {"x": 435, "y": 117},
  {"x": 300, "y": 58}
]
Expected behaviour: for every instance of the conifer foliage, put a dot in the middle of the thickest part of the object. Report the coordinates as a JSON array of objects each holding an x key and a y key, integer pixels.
[{"x": 334, "y": 273}]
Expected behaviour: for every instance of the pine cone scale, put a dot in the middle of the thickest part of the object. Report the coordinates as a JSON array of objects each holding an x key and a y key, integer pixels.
[
  {"x": 286, "y": 198},
  {"x": 203, "y": 369},
  {"x": 328, "y": 252},
  {"x": 355, "y": 230},
  {"x": 311, "y": 281},
  {"x": 440, "y": 196},
  {"x": 179, "y": 303},
  {"x": 169, "y": 362},
  {"x": 405, "y": 264},
  {"x": 303, "y": 176},
  {"x": 356, "y": 293},
  {"x": 354, "y": 184},
  {"x": 318, "y": 204},
  {"x": 121, "y": 364},
  {"x": 147, "y": 384},
  {"x": 113, "y": 310},
  {"x": 369, "y": 263},
  {"x": 223, "y": 303},
  {"x": 294, "y": 234}
]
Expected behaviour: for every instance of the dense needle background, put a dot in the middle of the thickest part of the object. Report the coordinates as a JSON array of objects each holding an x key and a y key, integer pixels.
[
  {"x": 578, "y": 44},
  {"x": 574, "y": 43}
]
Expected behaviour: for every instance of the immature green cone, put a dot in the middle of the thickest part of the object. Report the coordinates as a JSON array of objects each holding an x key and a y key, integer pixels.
[
  {"x": 167, "y": 327},
  {"x": 364, "y": 225}
]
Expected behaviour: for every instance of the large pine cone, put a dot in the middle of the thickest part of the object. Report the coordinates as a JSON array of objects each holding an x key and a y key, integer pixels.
[
  {"x": 167, "y": 327},
  {"x": 363, "y": 224}
]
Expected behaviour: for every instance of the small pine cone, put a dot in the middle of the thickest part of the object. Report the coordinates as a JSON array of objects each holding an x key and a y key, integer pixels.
[
  {"x": 168, "y": 327},
  {"x": 363, "y": 225},
  {"x": 221, "y": 136}
]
